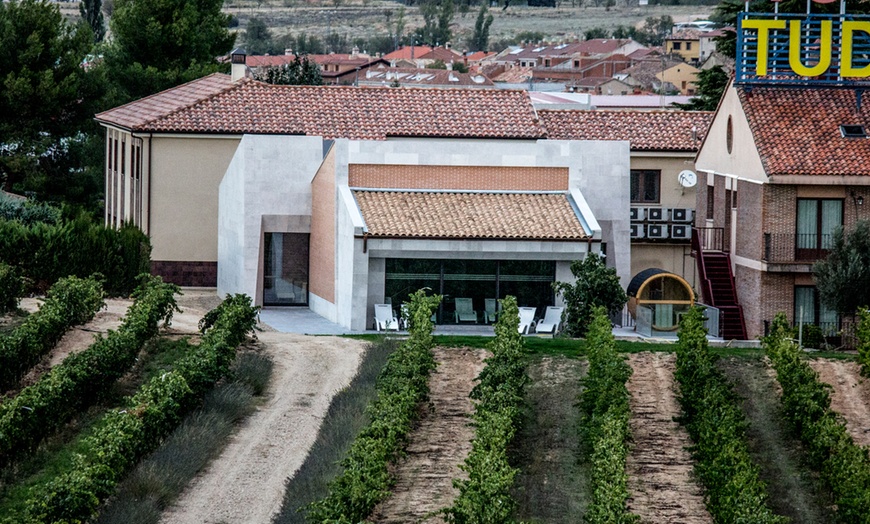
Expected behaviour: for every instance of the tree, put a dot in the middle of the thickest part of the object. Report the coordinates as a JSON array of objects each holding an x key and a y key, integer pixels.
[
  {"x": 92, "y": 13},
  {"x": 711, "y": 84},
  {"x": 843, "y": 278},
  {"x": 47, "y": 99},
  {"x": 300, "y": 71},
  {"x": 437, "y": 17},
  {"x": 595, "y": 32},
  {"x": 480, "y": 39},
  {"x": 158, "y": 44},
  {"x": 596, "y": 285},
  {"x": 258, "y": 38}
]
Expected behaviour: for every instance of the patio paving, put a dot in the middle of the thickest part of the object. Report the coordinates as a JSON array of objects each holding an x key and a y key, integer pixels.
[{"x": 303, "y": 321}]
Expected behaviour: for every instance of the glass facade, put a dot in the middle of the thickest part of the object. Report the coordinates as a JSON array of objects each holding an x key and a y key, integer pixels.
[
  {"x": 285, "y": 269},
  {"x": 529, "y": 281}
]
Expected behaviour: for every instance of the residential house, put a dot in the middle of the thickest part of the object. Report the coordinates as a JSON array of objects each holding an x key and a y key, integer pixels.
[
  {"x": 707, "y": 42},
  {"x": 685, "y": 43},
  {"x": 682, "y": 76},
  {"x": 646, "y": 75},
  {"x": 340, "y": 198},
  {"x": 781, "y": 169},
  {"x": 335, "y": 68}
]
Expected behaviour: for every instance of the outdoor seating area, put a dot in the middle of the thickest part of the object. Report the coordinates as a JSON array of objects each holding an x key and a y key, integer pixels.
[{"x": 386, "y": 318}]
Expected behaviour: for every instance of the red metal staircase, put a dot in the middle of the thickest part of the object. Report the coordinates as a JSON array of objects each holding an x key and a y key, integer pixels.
[{"x": 717, "y": 280}]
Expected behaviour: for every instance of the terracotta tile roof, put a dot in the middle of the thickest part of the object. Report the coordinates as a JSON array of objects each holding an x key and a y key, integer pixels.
[
  {"x": 148, "y": 109},
  {"x": 443, "y": 54},
  {"x": 404, "y": 53},
  {"x": 346, "y": 112},
  {"x": 685, "y": 34},
  {"x": 645, "y": 130},
  {"x": 797, "y": 131},
  {"x": 513, "y": 216}
]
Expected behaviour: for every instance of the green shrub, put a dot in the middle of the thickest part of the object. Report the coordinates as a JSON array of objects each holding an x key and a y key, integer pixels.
[
  {"x": 71, "y": 301},
  {"x": 123, "y": 437},
  {"x": 843, "y": 465},
  {"x": 863, "y": 334},
  {"x": 605, "y": 409},
  {"x": 28, "y": 212},
  {"x": 78, "y": 381},
  {"x": 734, "y": 492},
  {"x": 11, "y": 288},
  {"x": 401, "y": 387},
  {"x": 485, "y": 496},
  {"x": 595, "y": 285},
  {"x": 45, "y": 253}
]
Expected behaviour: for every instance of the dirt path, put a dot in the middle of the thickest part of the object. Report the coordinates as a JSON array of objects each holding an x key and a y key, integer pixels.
[
  {"x": 793, "y": 490},
  {"x": 438, "y": 445},
  {"x": 659, "y": 466},
  {"x": 245, "y": 484},
  {"x": 552, "y": 486},
  {"x": 850, "y": 396}
]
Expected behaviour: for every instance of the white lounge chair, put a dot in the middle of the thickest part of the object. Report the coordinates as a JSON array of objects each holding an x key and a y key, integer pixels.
[
  {"x": 384, "y": 318},
  {"x": 489, "y": 314},
  {"x": 284, "y": 291},
  {"x": 551, "y": 322},
  {"x": 465, "y": 311},
  {"x": 527, "y": 319}
]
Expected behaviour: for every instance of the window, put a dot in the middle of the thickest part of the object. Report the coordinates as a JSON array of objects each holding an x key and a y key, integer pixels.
[
  {"x": 678, "y": 46},
  {"x": 809, "y": 309},
  {"x": 285, "y": 269},
  {"x": 853, "y": 131},
  {"x": 688, "y": 46},
  {"x": 576, "y": 64},
  {"x": 816, "y": 221},
  {"x": 645, "y": 185}
]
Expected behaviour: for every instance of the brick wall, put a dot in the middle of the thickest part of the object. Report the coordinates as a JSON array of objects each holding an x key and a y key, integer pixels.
[
  {"x": 778, "y": 292},
  {"x": 701, "y": 201},
  {"x": 186, "y": 273},
  {"x": 748, "y": 283},
  {"x": 321, "y": 267},
  {"x": 485, "y": 178},
  {"x": 750, "y": 236}
]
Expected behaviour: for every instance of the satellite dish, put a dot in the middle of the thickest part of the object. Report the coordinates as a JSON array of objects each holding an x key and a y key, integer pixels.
[{"x": 687, "y": 178}]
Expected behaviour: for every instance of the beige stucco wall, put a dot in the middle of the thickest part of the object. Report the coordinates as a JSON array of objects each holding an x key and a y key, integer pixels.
[
  {"x": 683, "y": 76},
  {"x": 743, "y": 161},
  {"x": 670, "y": 257},
  {"x": 185, "y": 175}
]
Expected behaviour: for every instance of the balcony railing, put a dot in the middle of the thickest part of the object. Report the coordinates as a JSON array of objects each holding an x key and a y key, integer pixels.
[
  {"x": 790, "y": 248},
  {"x": 710, "y": 239}
]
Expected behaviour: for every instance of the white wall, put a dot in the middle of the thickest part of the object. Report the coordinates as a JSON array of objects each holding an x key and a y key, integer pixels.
[{"x": 266, "y": 189}]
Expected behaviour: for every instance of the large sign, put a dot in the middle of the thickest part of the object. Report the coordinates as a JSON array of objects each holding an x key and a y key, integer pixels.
[{"x": 803, "y": 49}]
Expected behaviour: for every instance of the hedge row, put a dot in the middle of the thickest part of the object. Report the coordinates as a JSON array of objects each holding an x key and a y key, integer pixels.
[
  {"x": 864, "y": 341},
  {"x": 122, "y": 437},
  {"x": 734, "y": 493},
  {"x": 401, "y": 387},
  {"x": 77, "y": 382},
  {"x": 485, "y": 496},
  {"x": 11, "y": 288},
  {"x": 45, "y": 253},
  {"x": 69, "y": 302},
  {"x": 844, "y": 466},
  {"x": 605, "y": 409},
  {"x": 27, "y": 211}
]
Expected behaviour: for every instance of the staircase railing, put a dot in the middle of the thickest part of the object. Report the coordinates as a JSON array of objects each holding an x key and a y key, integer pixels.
[{"x": 698, "y": 252}]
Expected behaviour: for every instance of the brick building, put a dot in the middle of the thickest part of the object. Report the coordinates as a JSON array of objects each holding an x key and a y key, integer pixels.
[{"x": 782, "y": 169}]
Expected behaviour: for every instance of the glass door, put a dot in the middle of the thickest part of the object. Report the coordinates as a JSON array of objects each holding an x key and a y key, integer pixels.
[{"x": 285, "y": 269}]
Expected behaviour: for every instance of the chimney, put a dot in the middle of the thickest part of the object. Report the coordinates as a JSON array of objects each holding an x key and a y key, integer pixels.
[
  {"x": 449, "y": 65},
  {"x": 288, "y": 51},
  {"x": 354, "y": 52},
  {"x": 239, "y": 68}
]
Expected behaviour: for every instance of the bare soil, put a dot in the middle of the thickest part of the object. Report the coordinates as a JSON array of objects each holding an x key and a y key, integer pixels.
[
  {"x": 368, "y": 18},
  {"x": 194, "y": 303},
  {"x": 438, "y": 444},
  {"x": 552, "y": 486},
  {"x": 245, "y": 484},
  {"x": 793, "y": 489},
  {"x": 850, "y": 396},
  {"x": 660, "y": 479}
]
